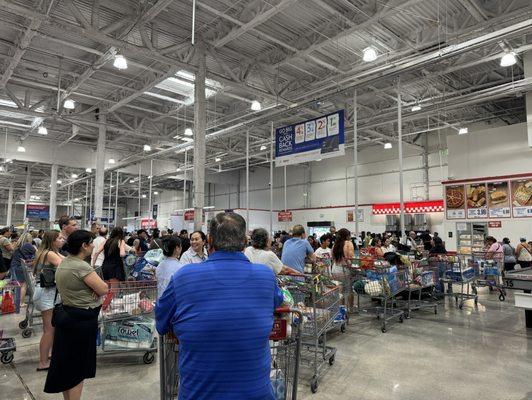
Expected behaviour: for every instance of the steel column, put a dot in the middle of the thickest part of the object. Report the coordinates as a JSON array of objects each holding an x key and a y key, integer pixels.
[
  {"x": 247, "y": 179},
  {"x": 150, "y": 208},
  {"x": 100, "y": 167},
  {"x": 271, "y": 177},
  {"x": 27, "y": 194},
  {"x": 116, "y": 197},
  {"x": 109, "y": 200},
  {"x": 400, "y": 146},
  {"x": 53, "y": 195},
  {"x": 85, "y": 208},
  {"x": 355, "y": 158},
  {"x": 9, "y": 205},
  {"x": 185, "y": 202},
  {"x": 200, "y": 114}
]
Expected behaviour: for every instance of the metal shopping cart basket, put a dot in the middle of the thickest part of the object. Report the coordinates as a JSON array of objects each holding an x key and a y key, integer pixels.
[
  {"x": 490, "y": 267},
  {"x": 320, "y": 305},
  {"x": 382, "y": 284},
  {"x": 127, "y": 322},
  {"x": 9, "y": 304},
  {"x": 285, "y": 347},
  {"x": 423, "y": 279},
  {"x": 457, "y": 273},
  {"x": 33, "y": 317}
]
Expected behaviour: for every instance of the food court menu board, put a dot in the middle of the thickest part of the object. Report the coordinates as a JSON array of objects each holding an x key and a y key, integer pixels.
[
  {"x": 455, "y": 202},
  {"x": 476, "y": 202},
  {"x": 522, "y": 198},
  {"x": 499, "y": 199}
]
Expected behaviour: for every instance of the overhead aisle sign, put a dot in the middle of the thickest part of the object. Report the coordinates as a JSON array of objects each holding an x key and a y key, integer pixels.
[{"x": 310, "y": 140}]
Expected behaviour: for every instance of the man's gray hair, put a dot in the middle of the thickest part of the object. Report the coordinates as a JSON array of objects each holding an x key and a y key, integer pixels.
[
  {"x": 259, "y": 238},
  {"x": 228, "y": 231}
]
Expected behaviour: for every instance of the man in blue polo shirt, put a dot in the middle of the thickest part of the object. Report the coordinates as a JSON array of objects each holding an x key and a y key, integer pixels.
[
  {"x": 222, "y": 313},
  {"x": 297, "y": 249}
]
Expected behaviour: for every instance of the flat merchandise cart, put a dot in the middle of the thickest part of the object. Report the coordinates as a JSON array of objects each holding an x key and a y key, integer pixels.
[
  {"x": 320, "y": 306},
  {"x": 490, "y": 269},
  {"x": 33, "y": 317},
  {"x": 285, "y": 348},
  {"x": 521, "y": 279},
  {"x": 127, "y": 322},
  {"x": 9, "y": 304},
  {"x": 457, "y": 273},
  {"x": 422, "y": 281}
]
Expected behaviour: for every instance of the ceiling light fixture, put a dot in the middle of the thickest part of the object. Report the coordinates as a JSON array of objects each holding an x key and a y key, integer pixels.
[
  {"x": 120, "y": 62},
  {"x": 42, "y": 130},
  {"x": 2, "y": 169},
  {"x": 463, "y": 131},
  {"x": 21, "y": 149},
  {"x": 76, "y": 199},
  {"x": 369, "y": 54},
  {"x": 178, "y": 169},
  {"x": 263, "y": 147},
  {"x": 74, "y": 176},
  {"x": 217, "y": 159},
  {"x": 9, "y": 160},
  {"x": 69, "y": 104},
  {"x": 415, "y": 108},
  {"x": 388, "y": 146},
  {"x": 112, "y": 161},
  {"x": 59, "y": 182},
  {"x": 189, "y": 132},
  {"x": 147, "y": 147},
  {"x": 508, "y": 59},
  {"x": 131, "y": 181},
  {"x": 187, "y": 139},
  {"x": 88, "y": 170},
  {"x": 143, "y": 196},
  {"x": 255, "y": 106},
  {"x": 155, "y": 193}
]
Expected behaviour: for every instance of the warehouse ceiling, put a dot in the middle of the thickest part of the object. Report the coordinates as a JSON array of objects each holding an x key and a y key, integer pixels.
[{"x": 298, "y": 58}]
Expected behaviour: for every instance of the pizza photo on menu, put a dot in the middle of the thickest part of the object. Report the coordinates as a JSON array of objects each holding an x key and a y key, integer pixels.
[
  {"x": 476, "y": 195},
  {"x": 522, "y": 193},
  {"x": 454, "y": 197},
  {"x": 498, "y": 195}
]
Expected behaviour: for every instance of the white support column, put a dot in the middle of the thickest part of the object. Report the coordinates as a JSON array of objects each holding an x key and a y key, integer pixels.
[
  {"x": 9, "y": 205},
  {"x": 28, "y": 193},
  {"x": 527, "y": 64},
  {"x": 200, "y": 118},
  {"x": 109, "y": 200},
  {"x": 86, "y": 206},
  {"x": 100, "y": 167},
  {"x": 91, "y": 203},
  {"x": 272, "y": 148},
  {"x": 140, "y": 188},
  {"x": 53, "y": 195},
  {"x": 247, "y": 179},
  {"x": 400, "y": 146},
  {"x": 185, "y": 203},
  {"x": 150, "y": 207},
  {"x": 355, "y": 159},
  {"x": 426, "y": 180},
  {"x": 116, "y": 197}
]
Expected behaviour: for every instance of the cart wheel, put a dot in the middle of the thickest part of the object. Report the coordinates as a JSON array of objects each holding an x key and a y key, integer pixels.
[
  {"x": 148, "y": 358},
  {"x": 383, "y": 330},
  {"x": 407, "y": 315},
  {"x": 502, "y": 297},
  {"x": 314, "y": 384},
  {"x": 461, "y": 306},
  {"x": 6, "y": 358},
  {"x": 331, "y": 360},
  {"x": 26, "y": 333},
  {"x": 401, "y": 319},
  {"x": 342, "y": 328},
  {"x": 476, "y": 301},
  {"x": 474, "y": 290},
  {"x": 491, "y": 288},
  {"x": 435, "y": 310},
  {"x": 23, "y": 324}
]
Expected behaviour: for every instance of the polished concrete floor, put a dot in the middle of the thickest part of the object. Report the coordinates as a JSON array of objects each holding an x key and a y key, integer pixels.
[{"x": 475, "y": 353}]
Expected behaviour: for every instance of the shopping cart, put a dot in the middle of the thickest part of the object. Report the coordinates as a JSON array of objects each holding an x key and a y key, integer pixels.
[
  {"x": 9, "y": 304},
  {"x": 457, "y": 273},
  {"x": 33, "y": 317},
  {"x": 382, "y": 284},
  {"x": 127, "y": 323},
  {"x": 285, "y": 347},
  {"x": 341, "y": 276},
  {"x": 320, "y": 305},
  {"x": 490, "y": 268},
  {"x": 423, "y": 279}
]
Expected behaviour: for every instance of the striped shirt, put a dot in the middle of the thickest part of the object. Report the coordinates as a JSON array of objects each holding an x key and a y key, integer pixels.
[{"x": 222, "y": 314}]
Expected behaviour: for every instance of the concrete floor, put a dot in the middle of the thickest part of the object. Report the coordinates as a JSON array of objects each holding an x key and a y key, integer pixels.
[{"x": 483, "y": 353}]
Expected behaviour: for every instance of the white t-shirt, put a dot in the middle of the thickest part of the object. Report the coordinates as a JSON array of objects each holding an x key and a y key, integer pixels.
[
  {"x": 266, "y": 257},
  {"x": 97, "y": 243},
  {"x": 323, "y": 253}
]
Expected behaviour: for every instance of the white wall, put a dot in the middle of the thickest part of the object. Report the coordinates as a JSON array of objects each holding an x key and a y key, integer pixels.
[{"x": 495, "y": 152}]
